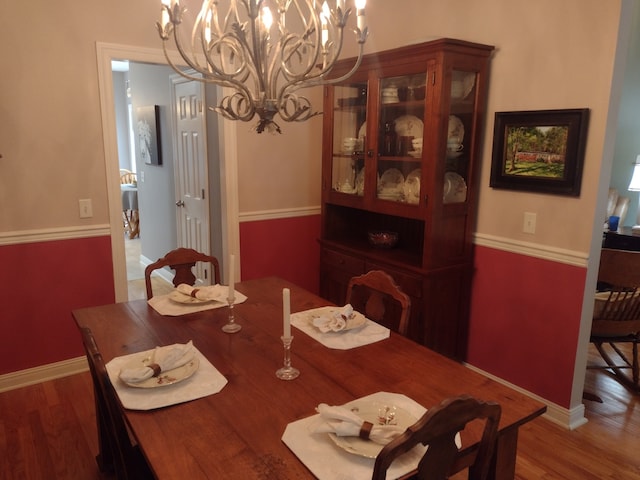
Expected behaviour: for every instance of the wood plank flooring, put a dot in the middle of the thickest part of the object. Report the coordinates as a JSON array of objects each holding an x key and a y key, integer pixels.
[{"x": 48, "y": 432}]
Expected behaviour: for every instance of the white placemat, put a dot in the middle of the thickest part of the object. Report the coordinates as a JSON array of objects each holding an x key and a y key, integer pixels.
[
  {"x": 206, "y": 381},
  {"x": 327, "y": 461},
  {"x": 165, "y": 306},
  {"x": 371, "y": 332}
]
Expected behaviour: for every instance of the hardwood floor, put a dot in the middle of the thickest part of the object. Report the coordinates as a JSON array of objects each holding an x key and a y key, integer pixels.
[{"x": 48, "y": 432}]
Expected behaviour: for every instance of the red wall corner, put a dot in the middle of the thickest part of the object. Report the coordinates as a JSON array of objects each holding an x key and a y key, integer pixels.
[
  {"x": 525, "y": 320},
  {"x": 287, "y": 248},
  {"x": 41, "y": 284}
]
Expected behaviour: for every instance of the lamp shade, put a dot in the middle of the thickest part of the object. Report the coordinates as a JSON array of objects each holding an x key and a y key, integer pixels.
[{"x": 634, "y": 185}]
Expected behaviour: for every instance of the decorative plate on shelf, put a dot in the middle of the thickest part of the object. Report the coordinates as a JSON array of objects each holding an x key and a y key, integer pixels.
[
  {"x": 468, "y": 82},
  {"x": 391, "y": 183},
  {"x": 412, "y": 187},
  {"x": 363, "y": 130},
  {"x": 455, "y": 188},
  {"x": 456, "y": 129},
  {"x": 409, "y": 126}
]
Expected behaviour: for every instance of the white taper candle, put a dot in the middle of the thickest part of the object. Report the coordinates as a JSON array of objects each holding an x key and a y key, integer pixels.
[
  {"x": 286, "y": 312},
  {"x": 232, "y": 287}
]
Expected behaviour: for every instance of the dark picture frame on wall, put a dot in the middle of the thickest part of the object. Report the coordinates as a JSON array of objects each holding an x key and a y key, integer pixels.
[
  {"x": 539, "y": 151},
  {"x": 148, "y": 130}
]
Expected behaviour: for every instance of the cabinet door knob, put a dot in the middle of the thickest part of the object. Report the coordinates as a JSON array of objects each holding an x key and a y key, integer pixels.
[{"x": 370, "y": 153}]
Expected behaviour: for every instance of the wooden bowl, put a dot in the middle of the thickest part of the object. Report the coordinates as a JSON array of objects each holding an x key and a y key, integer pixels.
[{"x": 383, "y": 238}]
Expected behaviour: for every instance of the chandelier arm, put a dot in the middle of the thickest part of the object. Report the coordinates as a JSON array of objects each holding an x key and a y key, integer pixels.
[{"x": 263, "y": 75}]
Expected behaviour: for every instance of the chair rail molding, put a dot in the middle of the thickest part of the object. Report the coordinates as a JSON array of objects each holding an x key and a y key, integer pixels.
[
  {"x": 545, "y": 252},
  {"x": 51, "y": 234}
]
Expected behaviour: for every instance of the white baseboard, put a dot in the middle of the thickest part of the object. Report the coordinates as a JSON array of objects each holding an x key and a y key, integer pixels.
[
  {"x": 567, "y": 418},
  {"x": 31, "y": 376}
]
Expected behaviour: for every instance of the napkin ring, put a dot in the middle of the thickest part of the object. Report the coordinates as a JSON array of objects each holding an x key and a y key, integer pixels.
[
  {"x": 156, "y": 369},
  {"x": 365, "y": 430}
]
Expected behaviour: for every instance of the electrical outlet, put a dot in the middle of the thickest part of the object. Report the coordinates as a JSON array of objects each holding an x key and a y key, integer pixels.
[
  {"x": 86, "y": 209},
  {"x": 529, "y": 225}
]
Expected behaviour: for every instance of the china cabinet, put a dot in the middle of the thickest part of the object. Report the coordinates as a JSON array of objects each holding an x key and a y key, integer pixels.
[{"x": 401, "y": 147}]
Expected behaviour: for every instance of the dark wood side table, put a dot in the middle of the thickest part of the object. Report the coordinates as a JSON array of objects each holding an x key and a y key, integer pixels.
[{"x": 623, "y": 239}]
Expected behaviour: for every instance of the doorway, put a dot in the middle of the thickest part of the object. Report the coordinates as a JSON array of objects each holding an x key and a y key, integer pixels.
[{"x": 228, "y": 219}]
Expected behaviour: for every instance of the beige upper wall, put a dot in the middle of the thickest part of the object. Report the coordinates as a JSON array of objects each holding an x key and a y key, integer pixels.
[{"x": 547, "y": 56}]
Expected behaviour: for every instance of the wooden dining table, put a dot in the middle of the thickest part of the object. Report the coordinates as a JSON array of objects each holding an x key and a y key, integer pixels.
[{"x": 236, "y": 433}]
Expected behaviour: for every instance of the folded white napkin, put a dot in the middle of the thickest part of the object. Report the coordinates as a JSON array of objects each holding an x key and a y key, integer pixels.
[
  {"x": 335, "y": 322},
  {"x": 344, "y": 423},
  {"x": 162, "y": 359},
  {"x": 210, "y": 292}
]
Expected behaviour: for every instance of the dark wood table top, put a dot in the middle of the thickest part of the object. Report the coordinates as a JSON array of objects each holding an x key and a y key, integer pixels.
[{"x": 237, "y": 432}]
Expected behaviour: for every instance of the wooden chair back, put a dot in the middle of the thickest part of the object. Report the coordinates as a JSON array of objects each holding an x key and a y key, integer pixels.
[
  {"x": 376, "y": 295},
  {"x": 127, "y": 177},
  {"x": 438, "y": 428},
  {"x": 616, "y": 314},
  {"x": 182, "y": 260},
  {"x": 117, "y": 451}
]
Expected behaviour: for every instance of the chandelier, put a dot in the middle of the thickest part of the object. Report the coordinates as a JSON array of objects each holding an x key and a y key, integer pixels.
[{"x": 264, "y": 50}]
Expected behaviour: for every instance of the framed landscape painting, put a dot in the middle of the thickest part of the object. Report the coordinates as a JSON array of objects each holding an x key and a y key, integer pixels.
[{"x": 539, "y": 151}]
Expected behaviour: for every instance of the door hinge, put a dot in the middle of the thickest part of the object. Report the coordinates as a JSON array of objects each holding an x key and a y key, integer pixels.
[{"x": 202, "y": 194}]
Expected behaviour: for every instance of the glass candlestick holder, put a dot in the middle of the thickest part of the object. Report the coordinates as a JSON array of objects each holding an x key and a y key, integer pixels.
[
  {"x": 287, "y": 372},
  {"x": 231, "y": 326}
]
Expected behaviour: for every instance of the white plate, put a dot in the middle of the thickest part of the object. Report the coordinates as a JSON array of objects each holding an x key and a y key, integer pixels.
[
  {"x": 180, "y": 297},
  {"x": 456, "y": 128},
  {"x": 468, "y": 82},
  {"x": 368, "y": 411},
  {"x": 165, "y": 379},
  {"x": 363, "y": 130},
  {"x": 409, "y": 126},
  {"x": 357, "y": 321},
  {"x": 455, "y": 189},
  {"x": 391, "y": 182},
  {"x": 412, "y": 187}
]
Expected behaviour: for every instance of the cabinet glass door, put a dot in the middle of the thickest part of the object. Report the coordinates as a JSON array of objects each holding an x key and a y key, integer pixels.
[
  {"x": 400, "y": 133},
  {"x": 349, "y": 139},
  {"x": 459, "y": 137}
]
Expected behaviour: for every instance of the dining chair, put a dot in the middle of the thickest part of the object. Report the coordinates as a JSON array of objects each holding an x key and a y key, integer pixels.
[
  {"x": 118, "y": 453},
  {"x": 616, "y": 316},
  {"x": 376, "y": 295},
  {"x": 127, "y": 176},
  {"x": 437, "y": 429},
  {"x": 182, "y": 260}
]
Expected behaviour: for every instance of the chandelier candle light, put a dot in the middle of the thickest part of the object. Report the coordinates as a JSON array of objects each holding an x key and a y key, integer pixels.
[{"x": 264, "y": 50}]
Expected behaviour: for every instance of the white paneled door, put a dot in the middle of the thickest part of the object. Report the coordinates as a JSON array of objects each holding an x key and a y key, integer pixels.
[{"x": 191, "y": 172}]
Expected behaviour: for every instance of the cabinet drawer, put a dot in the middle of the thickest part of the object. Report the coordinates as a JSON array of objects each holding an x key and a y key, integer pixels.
[
  {"x": 410, "y": 284},
  {"x": 344, "y": 262}
]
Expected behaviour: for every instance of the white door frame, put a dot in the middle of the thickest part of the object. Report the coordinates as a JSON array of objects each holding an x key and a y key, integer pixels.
[{"x": 106, "y": 52}]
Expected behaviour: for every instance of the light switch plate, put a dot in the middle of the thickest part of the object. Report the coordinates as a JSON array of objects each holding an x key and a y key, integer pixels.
[
  {"x": 529, "y": 225},
  {"x": 86, "y": 208}
]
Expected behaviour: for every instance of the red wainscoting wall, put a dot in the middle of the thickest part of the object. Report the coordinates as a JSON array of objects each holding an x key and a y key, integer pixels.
[
  {"x": 525, "y": 318},
  {"x": 40, "y": 285},
  {"x": 286, "y": 248}
]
